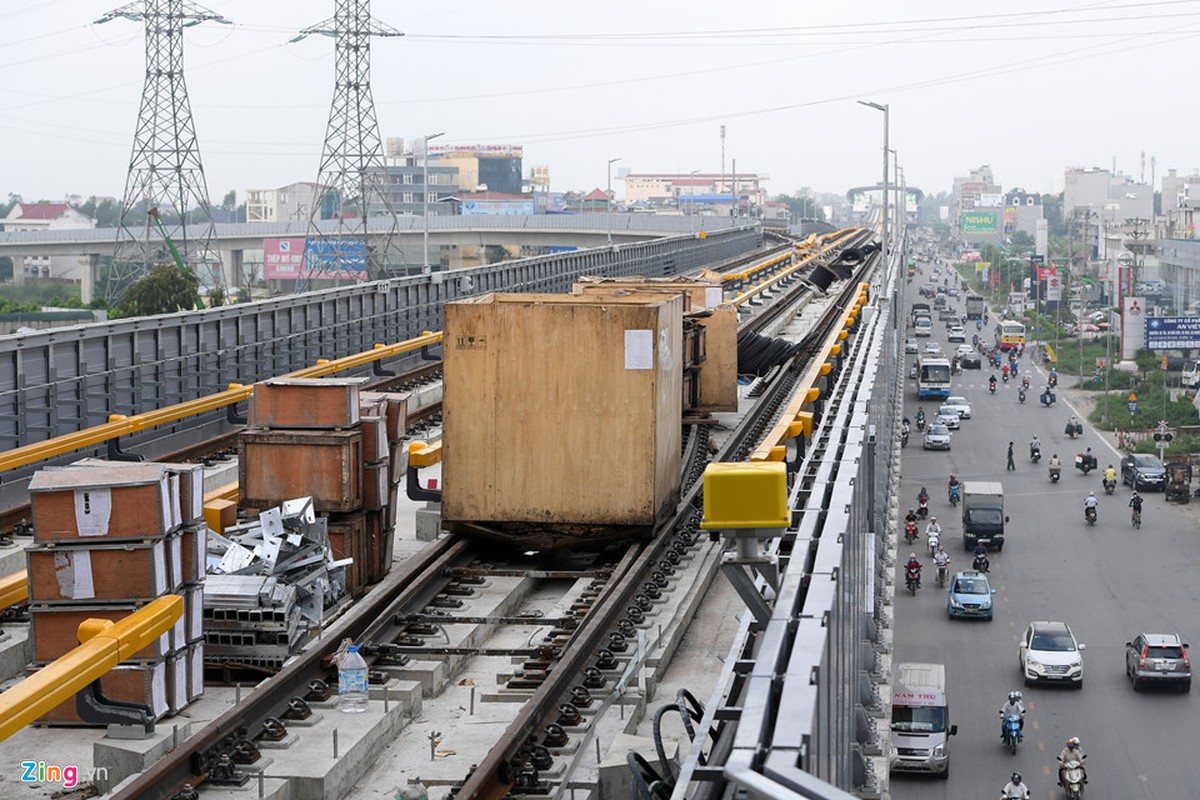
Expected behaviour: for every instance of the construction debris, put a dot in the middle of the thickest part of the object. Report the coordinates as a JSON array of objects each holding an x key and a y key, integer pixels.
[{"x": 270, "y": 582}]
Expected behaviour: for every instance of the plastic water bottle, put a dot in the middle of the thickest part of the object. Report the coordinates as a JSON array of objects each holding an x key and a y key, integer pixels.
[{"x": 352, "y": 682}]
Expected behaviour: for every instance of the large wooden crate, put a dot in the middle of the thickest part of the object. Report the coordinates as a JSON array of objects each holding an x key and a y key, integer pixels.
[
  {"x": 73, "y": 504},
  {"x": 54, "y": 630},
  {"x": 717, "y": 382},
  {"x": 275, "y": 466},
  {"x": 118, "y": 571},
  {"x": 561, "y": 411},
  {"x": 134, "y": 683},
  {"x": 313, "y": 403}
]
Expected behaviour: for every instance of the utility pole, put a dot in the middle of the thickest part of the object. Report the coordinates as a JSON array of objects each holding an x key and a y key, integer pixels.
[
  {"x": 429, "y": 137},
  {"x": 884, "y": 108},
  {"x": 724, "y": 188},
  {"x": 165, "y": 170},
  {"x": 352, "y": 172}
]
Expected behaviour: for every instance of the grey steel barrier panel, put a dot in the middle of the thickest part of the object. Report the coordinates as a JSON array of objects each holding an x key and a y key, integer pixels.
[{"x": 63, "y": 380}]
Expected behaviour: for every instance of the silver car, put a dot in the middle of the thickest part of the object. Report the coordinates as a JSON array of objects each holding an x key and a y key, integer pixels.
[
  {"x": 1158, "y": 658},
  {"x": 937, "y": 437},
  {"x": 949, "y": 417},
  {"x": 959, "y": 404}
]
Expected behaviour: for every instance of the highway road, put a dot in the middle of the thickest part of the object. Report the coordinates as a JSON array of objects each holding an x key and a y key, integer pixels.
[{"x": 1107, "y": 582}]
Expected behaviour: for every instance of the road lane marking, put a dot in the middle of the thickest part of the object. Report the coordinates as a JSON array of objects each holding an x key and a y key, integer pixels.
[
  {"x": 1036, "y": 725},
  {"x": 1042, "y": 746}
]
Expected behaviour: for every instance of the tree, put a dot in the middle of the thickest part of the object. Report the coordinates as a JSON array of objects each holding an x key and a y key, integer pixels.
[
  {"x": 164, "y": 291},
  {"x": 1146, "y": 360},
  {"x": 1022, "y": 241},
  {"x": 6, "y": 268}
]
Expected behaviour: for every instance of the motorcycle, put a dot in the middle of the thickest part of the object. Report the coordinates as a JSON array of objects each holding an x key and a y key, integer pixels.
[
  {"x": 1074, "y": 429},
  {"x": 992, "y": 386},
  {"x": 1025, "y": 382},
  {"x": 923, "y": 507},
  {"x": 941, "y": 576},
  {"x": 1089, "y": 513},
  {"x": 1004, "y": 376},
  {"x": 1012, "y": 732},
  {"x": 954, "y": 495},
  {"x": 1048, "y": 398},
  {"x": 981, "y": 563},
  {"x": 933, "y": 538},
  {"x": 904, "y": 436},
  {"x": 1053, "y": 380},
  {"x": 1085, "y": 463},
  {"x": 920, "y": 422},
  {"x": 1035, "y": 453},
  {"x": 910, "y": 531},
  {"x": 1072, "y": 779},
  {"x": 912, "y": 579},
  {"x": 1136, "y": 519},
  {"x": 1109, "y": 486},
  {"x": 1021, "y": 395},
  {"x": 1055, "y": 474}
]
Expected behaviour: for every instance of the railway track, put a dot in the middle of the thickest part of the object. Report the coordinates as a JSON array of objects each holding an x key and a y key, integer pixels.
[{"x": 577, "y": 664}]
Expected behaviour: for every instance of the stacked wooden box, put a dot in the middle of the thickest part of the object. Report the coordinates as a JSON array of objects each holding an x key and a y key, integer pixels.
[
  {"x": 327, "y": 439},
  {"x": 110, "y": 537}
]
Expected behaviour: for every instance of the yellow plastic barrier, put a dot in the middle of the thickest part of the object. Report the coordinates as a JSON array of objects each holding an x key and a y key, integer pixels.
[
  {"x": 774, "y": 447},
  {"x": 105, "y": 645},
  {"x": 14, "y": 589},
  {"x": 423, "y": 454},
  {"x": 119, "y": 425}
]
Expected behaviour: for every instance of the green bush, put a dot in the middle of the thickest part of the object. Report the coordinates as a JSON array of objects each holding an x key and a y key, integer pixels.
[
  {"x": 1151, "y": 409},
  {"x": 1180, "y": 446}
]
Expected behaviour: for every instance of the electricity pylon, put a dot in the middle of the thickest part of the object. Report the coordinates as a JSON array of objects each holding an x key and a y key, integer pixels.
[{"x": 165, "y": 170}]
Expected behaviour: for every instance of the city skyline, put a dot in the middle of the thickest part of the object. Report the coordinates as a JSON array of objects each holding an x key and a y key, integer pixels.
[{"x": 1030, "y": 91}]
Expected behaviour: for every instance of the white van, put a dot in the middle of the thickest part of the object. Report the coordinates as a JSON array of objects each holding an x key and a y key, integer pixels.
[
  {"x": 923, "y": 326},
  {"x": 921, "y": 728}
]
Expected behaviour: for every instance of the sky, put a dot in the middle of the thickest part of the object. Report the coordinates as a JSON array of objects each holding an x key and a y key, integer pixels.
[{"x": 1029, "y": 87}]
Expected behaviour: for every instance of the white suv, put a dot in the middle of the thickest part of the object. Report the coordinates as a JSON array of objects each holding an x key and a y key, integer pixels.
[{"x": 1049, "y": 652}]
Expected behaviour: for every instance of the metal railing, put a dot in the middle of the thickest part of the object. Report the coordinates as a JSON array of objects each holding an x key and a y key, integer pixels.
[{"x": 804, "y": 719}]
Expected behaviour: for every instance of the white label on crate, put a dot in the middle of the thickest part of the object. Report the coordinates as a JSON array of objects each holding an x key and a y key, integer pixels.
[
  {"x": 199, "y": 553},
  {"x": 196, "y": 679},
  {"x": 197, "y": 509},
  {"x": 176, "y": 514},
  {"x": 179, "y": 633},
  {"x": 639, "y": 349},
  {"x": 160, "y": 569},
  {"x": 713, "y": 297},
  {"x": 195, "y": 614},
  {"x": 164, "y": 493},
  {"x": 179, "y": 667},
  {"x": 73, "y": 570},
  {"x": 176, "y": 560},
  {"x": 158, "y": 690},
  {"x": 93, "y": 510}
]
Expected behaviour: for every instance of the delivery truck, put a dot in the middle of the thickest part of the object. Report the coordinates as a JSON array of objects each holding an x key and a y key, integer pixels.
[{"x": 983, "y": 514}]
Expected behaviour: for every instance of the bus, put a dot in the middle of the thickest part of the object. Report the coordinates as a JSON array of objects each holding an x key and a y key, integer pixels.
[
  {"x": 933, "y": 377},
  {"x": 1010, "y": 334}
]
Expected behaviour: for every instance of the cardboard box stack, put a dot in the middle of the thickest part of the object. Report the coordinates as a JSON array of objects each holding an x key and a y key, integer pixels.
[
  {"x": 108, "y": 538},
  {"x": 328, "y": 439}
]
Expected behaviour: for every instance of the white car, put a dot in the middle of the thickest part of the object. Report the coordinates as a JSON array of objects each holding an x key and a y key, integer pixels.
[
  {"x": 937, "y": 437},
  {"x": 959, "y": 404},
  {"x": 957, "y": 334},
  {"x": 910, "y": 344},
  {"x": 933, "y": 348},
  {"x": 949, "y": 417},
  {"x": 1048, "y": 651}
]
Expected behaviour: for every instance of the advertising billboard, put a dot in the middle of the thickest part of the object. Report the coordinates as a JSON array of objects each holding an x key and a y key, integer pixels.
[
  {"x": 336, "y": 257},
  {"x": 1172, "y": 333},
  {"x": 979, "y": 222},
  {"x": 283, "y": 259},
  {"x": 497, "y": 208},
  {"x": 1133, "y": 325}
]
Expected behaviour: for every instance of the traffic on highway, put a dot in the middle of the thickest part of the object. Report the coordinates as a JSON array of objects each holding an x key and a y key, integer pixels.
[{"x": 1034, "y": 555}]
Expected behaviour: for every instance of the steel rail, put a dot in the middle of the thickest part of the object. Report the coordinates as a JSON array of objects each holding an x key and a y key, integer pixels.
[
  {"x": 398, "y": 590},
  {"x": 494, "y": 776}
]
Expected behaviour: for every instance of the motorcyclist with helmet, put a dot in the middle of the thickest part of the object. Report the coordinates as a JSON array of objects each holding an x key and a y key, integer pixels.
[
  {"x": 1013, "y": 706},
  {"x": 992, "y": 384},
  {"x": 1055, "y": 465},
  {"x": 1091, "y": 501},
  {"x": 1035, "y": 449},
  {"x": 1135, "y": 502},
  {"x": 1015, "y": 789},
  {"x": 981, "y": 563},
  {"x": 933, "y": 529},
  {"x": 1071, "y": 752},
  {"x": 913, "y": 566}
]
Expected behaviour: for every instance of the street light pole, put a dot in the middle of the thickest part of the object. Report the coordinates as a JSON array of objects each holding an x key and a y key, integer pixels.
[
  {"x": 884, "y": 109},
  {"x": 692, "y": 200},
  {"x": 608, "y": 198},
  {"x": 425, "y": 195}
]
